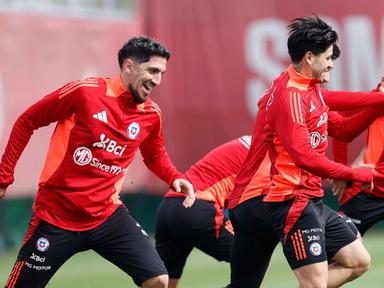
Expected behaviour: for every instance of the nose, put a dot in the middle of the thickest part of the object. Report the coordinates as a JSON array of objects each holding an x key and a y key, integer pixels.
[
  {"x": 330, "y": 65},
  {"x": 157, "y": 79}
]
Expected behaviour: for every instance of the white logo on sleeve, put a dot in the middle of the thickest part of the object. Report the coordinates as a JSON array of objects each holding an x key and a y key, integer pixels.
[
  {"x": 102, "y": 116},
  {"x": 133, "y": 130}
]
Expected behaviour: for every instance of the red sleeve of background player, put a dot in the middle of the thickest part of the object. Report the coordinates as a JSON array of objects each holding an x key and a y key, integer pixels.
[
  {"x": 156, "y": 157},
  {"x": 346, "y": 100},
  {"x": 340, "y": 151},
  {"x": 56, "y": 106},
  {"x": 346, "y": 128},
  {"x": 289, "y": 123},
  {"x": 340, "y": 148}
]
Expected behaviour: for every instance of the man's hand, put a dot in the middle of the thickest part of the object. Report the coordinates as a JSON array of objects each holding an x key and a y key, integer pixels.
[
  {"x": 184, "y": 186},
  {"x": 2, "y": 193},
  {"x": 338, "y": 188}
]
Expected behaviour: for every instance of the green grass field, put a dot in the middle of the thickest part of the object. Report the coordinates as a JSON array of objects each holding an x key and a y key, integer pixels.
[{"x": 90, "y": 270}]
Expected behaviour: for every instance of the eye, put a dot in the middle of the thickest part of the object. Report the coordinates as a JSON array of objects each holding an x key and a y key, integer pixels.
[{"x": 153, "y": 70}]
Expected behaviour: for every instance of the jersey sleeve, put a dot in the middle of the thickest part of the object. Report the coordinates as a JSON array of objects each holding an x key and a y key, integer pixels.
[
  {"x": 156, "y": 157},
  {"x": 340, "y": 151},
  {"x": 347, "y": 100},
  {"x": 375, "y": 142},
  {"x": 290, "y": 126},
  {"x": 346, "y": 128},
  {"x": 56, "y": 106},
  {"x": 340, "y": 148}
]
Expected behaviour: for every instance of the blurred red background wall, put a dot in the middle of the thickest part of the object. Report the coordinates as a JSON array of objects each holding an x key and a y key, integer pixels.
[{"x": 224, "y": 54}]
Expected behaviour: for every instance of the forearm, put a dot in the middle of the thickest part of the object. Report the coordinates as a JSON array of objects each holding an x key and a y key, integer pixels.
[
  {"x": 348, "y": 128},
  {"x": 346, "y": 100},
  {"x": 19, "y": 138}
]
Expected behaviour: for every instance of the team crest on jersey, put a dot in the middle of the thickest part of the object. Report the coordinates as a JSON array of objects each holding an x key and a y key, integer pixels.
[
  {"x": 42, "y": 244},
  {"x": 315, "y": 249},
  {"x": 133, "y": 130}
]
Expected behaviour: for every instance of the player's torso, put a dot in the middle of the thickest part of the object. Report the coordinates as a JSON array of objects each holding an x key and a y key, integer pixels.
[
  {"x": 288, "y": 179},
  {"x": 82, "y": 178}
]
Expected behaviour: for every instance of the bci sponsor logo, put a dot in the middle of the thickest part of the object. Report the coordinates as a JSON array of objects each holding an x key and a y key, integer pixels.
[
  {"x": 109, "y": 145},
  {"x": 83, "y": 156}
]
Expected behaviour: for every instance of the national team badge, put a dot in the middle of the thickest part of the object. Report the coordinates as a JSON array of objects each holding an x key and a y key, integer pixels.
[
  {"x": 133, "y": 130},
  {"x": 315, "y": 249},
  {"x": 42, "y": 244}
]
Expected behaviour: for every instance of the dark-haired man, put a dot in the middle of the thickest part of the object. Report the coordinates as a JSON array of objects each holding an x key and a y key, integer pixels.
[
  {"x": 294, "y": 110},
  {"x": 101, "y": 123},
  {"x": 309, "y": 231}
]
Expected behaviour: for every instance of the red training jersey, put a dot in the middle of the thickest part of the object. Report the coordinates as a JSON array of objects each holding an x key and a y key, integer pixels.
[
  {"x": 99, "y": 129},
  {"x": 253, "y": 178},
  {"x": 213, "y": 176},
  {"x": 297, "y": 123}
]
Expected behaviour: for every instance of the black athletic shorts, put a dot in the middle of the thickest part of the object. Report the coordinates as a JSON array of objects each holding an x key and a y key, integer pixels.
[
  {"x": 253, "y": 243},
  {"x": 364, "y": 210},
  {"x": 310, "y": 231},
  {"x": 180, "y": 229},
  {"x": 120, "y": 240}
]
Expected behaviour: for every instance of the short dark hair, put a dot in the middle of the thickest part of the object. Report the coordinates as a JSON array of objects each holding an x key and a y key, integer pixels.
[
  {"x": 141, "y": 48},
  {"x": 336, "y": 52},
  {"x": 309, "y": 34}
]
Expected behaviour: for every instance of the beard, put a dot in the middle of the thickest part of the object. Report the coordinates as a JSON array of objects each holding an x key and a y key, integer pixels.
[{"x": 136, "y": 96}]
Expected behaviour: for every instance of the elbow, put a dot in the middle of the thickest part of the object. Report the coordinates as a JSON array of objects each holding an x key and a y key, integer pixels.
[
  {"x": 306, "y": 162},
  {"x": 302, "y": 163}
]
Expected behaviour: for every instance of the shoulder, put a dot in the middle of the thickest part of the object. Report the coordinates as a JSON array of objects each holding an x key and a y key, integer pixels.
[
  {"x": 80, "y": 85},
  {"x": 151, "y": 106}
]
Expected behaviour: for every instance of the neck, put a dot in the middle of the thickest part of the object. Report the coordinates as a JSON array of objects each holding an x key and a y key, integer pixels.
[{"x": 303, "y": 69}]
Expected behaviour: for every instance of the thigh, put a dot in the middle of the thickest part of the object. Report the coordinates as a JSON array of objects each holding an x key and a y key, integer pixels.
[
  {"x": 172, "y": 250},
  {"x": 122, "y": 241},
  {"x": 353, "y": 254},
  {"x": 217, "y": 242},
  {"x": 338, "y": 232},
  {"x": 203, "y": 226},
  {"x": 253, "y": 244},
  {"x": 364, "y": 210},
  {"x": 45, "y": 248},
  {"x": 174, "y": 254},
  {"x": 300, "y": 225}
]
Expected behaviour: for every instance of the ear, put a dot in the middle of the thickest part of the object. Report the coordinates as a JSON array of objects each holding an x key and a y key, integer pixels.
[
  {"x": 127, "y": 66},
  {"x": 309, "y": 57}
]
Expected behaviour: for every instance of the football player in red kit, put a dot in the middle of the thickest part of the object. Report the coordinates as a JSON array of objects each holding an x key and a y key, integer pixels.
[{"x": 101, "y": 123}]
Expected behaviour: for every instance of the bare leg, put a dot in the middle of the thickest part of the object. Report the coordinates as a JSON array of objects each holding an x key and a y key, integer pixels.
[
  {"x": 313, "y": 275},
  {"x": 160, "y": 281},
  {"x": 173, "y": 283},
  {"x": 352, "y": 261}
]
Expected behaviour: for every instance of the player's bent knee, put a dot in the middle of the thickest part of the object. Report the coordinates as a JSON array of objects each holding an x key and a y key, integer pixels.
[
  {"x": 362, "y": 262},
  {"x": 354, "y": 256},
  {"x": 362, "y": 266},
  {"x": 160, "y": 281}
]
